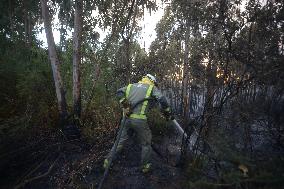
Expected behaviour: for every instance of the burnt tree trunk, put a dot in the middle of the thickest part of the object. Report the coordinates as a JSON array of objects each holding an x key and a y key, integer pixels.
[
  {"x": 77, "y": 40},
  {"x": 60, "y": 92}
]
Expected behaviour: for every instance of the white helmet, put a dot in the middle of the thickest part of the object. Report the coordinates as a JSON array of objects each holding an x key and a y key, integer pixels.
[{"x": 152, "y": 78}]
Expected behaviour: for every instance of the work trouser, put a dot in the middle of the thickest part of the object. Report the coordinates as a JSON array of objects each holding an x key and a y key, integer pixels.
[{"x": 143, "y": 134}]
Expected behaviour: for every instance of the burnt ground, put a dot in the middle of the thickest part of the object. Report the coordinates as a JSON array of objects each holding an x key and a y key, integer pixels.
[
  {"x": 55, "y": 163},
  {"x": 126, "y": 172}
]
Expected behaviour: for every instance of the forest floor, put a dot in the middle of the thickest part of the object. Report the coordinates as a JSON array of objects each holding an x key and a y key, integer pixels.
[
  {"x": 50, "y": 163},
  {"x": 126, "y": 172}
]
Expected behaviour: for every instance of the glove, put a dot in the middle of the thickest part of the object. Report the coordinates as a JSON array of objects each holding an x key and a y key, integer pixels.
[
  {"x": 125, "y": 103},
  {"x": 106, "y": 164},
  {"x": 126, "y": 111},
  {"x": 126, "y": 107},
  {"x": 168, "y": 114}
]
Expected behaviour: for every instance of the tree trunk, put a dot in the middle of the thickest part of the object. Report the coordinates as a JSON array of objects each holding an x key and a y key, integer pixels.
[
  {"x": 77, "y": 39},
  {"x": 27, "y": 24},
  {"x": 11, "y": 12},
  {"x": 60, "y": 92},
  {"x": 209, "y": 98},
  {"x": 126, "y": 60},
  {"x": 128, "y": 38},
  {"x": 185, "y": 97},
  {"x": 25, "y": 20}
]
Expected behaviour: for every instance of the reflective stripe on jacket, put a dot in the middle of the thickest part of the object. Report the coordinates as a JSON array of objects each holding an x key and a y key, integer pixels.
[{"x": 136, "y": 93}]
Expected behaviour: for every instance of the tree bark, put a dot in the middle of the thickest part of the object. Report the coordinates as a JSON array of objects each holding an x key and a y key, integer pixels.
[
  {"x": 25, "y": 20},
  {"x": 11, "y": 12},
  {"x": 185, "y": 97},
  {"x": 209, "y": 97},
  {"x": 77, "y": 40},
  {"x": 60, "y": 92}
]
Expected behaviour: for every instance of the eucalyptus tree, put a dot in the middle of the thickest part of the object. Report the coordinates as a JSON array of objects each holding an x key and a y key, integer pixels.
[
  {"x": 185, "y": 8},
  {"x": 129, "y": 29},
  {"x": 77, "y": 41},
  {"x": 70, "y": 12},
  {"x": 123, "y": 20},
  {"x": 60, "y": 91}
]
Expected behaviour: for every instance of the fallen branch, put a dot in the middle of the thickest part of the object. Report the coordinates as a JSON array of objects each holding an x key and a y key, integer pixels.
[
  {"x": 39, "y": 176},
  {"x": 31, "y": 171}
]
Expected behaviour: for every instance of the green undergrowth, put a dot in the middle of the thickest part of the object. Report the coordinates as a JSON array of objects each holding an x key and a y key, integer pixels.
[
  {"x": 27, "y": 97},
  {"x": 101, "y": 115},
  {"x": 158, "y": 124}
]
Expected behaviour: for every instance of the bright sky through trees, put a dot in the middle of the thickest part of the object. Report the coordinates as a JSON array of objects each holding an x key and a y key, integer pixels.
[
  {"x": 148, "y": 24},
  {"x": 148, "y": 33}
]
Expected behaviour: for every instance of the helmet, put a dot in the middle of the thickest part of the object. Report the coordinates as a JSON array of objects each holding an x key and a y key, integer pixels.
[{"x": 152, "y": 78}]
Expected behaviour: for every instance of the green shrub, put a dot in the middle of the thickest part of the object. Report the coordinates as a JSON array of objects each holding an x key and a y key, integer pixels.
[{"x": 158, "y": 124}]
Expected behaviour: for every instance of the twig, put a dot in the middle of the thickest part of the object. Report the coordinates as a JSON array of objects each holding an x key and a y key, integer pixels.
[
  {"x": 31, "y": 171},
  {"x": 39, "y": 176}
]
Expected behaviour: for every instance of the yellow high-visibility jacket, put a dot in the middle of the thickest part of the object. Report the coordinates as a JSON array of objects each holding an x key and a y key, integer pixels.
[{"x": 137, "y": 92}]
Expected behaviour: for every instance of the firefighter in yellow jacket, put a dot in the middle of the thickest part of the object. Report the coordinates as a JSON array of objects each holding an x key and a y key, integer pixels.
[{"x": 134, "y": 99}]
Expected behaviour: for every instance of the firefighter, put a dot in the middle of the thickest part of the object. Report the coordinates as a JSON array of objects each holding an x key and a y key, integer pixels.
[{"x": 135, "y": 100}]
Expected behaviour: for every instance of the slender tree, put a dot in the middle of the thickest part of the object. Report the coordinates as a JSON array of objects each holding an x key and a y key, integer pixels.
[
  {"x": 77, "y": 40},
  {"x": 185, "y": 100},
  {"x": 60, "y": 92}
]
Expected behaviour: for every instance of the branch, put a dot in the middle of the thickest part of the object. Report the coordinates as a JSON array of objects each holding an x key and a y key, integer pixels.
[
  {"x": 127, "y": 19},
  {"x": 39, "y": 176}
]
